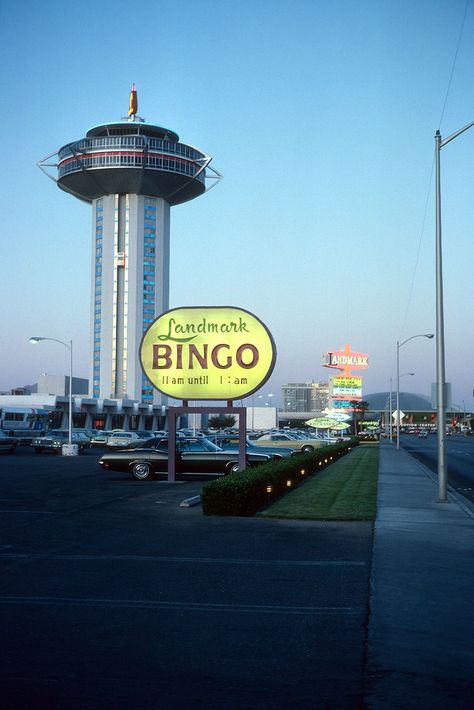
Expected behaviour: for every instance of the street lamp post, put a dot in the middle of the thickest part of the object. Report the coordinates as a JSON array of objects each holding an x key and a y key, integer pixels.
[
  {"x": 36, "y": 339},
  {"x": 399, "y": 345},
  {"x": 405, "y": 374},
  {"x": 390, "y": 413},
  {"x": 440, "y": 366}
]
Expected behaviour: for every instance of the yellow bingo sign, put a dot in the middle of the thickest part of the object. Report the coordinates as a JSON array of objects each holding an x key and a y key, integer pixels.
[{"x": 207, "y": 353}]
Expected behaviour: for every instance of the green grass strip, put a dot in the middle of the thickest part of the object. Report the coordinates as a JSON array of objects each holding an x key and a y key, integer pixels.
[{"x": 346, "y": 490}]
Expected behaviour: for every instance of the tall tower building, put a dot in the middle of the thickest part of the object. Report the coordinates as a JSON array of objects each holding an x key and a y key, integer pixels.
[{"x": 131, "y": 172}]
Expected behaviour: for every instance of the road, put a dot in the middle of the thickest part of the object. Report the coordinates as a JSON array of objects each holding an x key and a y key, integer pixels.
[
  {"x": 114, "y": 597},
  {"x": 459, "y": 455}
]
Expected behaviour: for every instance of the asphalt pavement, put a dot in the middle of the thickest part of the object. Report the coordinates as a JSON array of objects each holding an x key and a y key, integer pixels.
[
  {"x": 420, "y": 651},
  {"x": 114, "y": 597}
]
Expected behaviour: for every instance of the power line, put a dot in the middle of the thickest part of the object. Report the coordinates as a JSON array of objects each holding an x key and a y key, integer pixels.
[
  {"x": 428, "y": 192},
  {"x": 461, "y": 31}
]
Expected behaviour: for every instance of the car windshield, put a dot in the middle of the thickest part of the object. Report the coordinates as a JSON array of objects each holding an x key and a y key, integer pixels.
[
  {"x": 198, "y": 445},
  {"x": 189, "y": 445}
]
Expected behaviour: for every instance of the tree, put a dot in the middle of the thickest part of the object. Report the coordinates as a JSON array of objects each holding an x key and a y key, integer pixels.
[
  {"x": 221, "y": 421},
  {"x": 357, "y": 406}
]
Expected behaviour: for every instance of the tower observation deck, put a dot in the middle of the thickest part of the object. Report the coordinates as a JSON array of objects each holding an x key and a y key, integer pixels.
[{"x": 131, "y": 172}]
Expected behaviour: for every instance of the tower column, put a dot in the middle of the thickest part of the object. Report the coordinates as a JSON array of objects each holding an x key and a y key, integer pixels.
[{"x": 130, "y": 288}]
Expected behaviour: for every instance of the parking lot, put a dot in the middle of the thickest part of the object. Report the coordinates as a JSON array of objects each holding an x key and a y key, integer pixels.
[{"x": 112, "y": 596}]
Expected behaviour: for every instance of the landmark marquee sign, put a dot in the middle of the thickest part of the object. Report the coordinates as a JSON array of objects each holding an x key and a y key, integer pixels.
[
  {"x": 207, "y": 353},
  {"x": 345, "y": 360},
  {"x": 345, "y": 388}
]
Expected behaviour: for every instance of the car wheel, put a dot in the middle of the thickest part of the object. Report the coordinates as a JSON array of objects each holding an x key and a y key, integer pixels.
[
  {"x": 141, "y": 470},
  {"x": 232, "y": 467},
  {"x": 307, "y": 448}
]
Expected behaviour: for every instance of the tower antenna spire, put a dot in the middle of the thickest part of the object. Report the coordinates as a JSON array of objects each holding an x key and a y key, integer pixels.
[{"x": 133, "y": 102}]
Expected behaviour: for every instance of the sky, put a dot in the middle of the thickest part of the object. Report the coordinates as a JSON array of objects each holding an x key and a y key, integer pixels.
[{"x": 321, "y": 118}]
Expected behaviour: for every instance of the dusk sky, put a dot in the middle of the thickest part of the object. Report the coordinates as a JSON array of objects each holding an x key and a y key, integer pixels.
[{"x": 321, "y": 117}]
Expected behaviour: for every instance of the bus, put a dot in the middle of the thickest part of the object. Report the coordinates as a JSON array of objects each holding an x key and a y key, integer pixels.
[{"x": 24, "y": 421}]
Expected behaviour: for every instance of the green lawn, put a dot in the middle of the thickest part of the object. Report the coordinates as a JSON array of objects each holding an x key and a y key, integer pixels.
[{"x": 346, "y": 490}]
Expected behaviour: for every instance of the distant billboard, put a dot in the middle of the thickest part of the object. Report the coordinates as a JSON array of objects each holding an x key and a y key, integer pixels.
[
  {"x": 346, "y": 387},
  {"x": 327, "y": 423},
  {"x": 342, "y": 404}
]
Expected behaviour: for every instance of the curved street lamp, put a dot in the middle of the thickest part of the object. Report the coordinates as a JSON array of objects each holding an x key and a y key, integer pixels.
[
  {"x": 399, "y": 345},
  {"x": 440, "y": 368},
  {"x": 36, "y": 339}
]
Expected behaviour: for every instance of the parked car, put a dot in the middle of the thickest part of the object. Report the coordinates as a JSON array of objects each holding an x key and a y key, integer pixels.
[
  {"x": 8, "y": 443},
  {"x": 231, "y": 443},
  {"x": 193, "y": 455},
  {"x": 87, "y": 432},
  {"x": 100, "y": 439},
  {"x": 54, "y": 440},
  {"x": 289, "y": 441},
  {"x": 123, "y": 439}
]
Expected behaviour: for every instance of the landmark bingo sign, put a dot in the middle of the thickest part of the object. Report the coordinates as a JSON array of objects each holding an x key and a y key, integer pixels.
[{"x": 207, "y": 353}]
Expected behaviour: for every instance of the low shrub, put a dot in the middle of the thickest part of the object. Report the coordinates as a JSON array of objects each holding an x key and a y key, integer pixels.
[{"x": 246, "y": 492}]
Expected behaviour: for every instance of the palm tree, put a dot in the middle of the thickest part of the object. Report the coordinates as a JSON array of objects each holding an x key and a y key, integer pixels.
[{"x": 357, "y": 406}]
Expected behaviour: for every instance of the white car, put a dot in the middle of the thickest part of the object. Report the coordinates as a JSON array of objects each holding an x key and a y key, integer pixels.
[
  {"x": 292, "y": 442},
  {"x": 123, "y": 440}
]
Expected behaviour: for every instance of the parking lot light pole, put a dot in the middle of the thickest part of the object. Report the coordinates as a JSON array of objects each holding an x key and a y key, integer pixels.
[
  {"x": 399, "y": 345},
  {"x": 36, "y": 339},
  {"x": 440, "y": 366}
]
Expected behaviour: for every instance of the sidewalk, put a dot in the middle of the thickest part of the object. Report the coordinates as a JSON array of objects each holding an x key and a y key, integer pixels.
[{"x": 421, "y": 626}]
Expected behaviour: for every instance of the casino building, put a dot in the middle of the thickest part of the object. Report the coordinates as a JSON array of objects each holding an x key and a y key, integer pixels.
[{"x": 132, "y": 173}]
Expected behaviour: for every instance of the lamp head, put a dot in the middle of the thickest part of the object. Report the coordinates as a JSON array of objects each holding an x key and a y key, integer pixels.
[
  {"x": 35, "y": 339},
  {"x": 429, "y": 335}
]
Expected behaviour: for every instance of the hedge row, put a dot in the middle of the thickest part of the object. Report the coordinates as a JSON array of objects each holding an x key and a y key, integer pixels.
[{"x": 246, "y": 492}]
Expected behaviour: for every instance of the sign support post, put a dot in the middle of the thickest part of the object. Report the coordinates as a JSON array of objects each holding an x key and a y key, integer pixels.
[{"x": 174, "y": 413}]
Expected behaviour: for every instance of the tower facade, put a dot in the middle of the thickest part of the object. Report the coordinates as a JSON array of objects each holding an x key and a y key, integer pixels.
[{"x": 131, "y": 172}]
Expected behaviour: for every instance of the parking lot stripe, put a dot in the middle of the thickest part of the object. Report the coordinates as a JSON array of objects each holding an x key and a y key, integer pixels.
[
  {"x": 188, "y": 560},
  {"x": 184, "y": 606}
]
